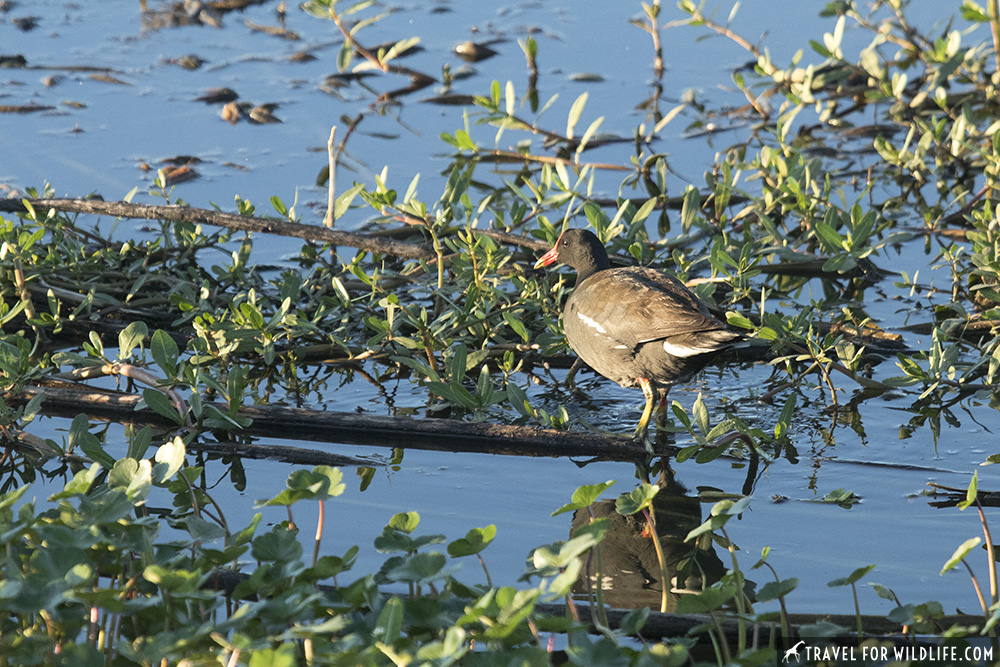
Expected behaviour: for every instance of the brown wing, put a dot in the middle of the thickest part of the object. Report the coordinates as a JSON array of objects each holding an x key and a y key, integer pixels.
[{"x": 636, "y": 306}]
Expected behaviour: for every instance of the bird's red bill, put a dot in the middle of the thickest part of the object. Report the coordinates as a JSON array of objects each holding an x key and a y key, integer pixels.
[
  {"x": 548, "y": 258},
  {"x": 551, "y": 257}
]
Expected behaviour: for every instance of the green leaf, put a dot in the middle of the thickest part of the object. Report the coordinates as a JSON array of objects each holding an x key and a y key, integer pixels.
[
  {"x": 712, "y": 523},
  {"x": 344, "y": 55},
  {"x": 389, "y": 625},
  {"x": 457, "y": 364},
  {"x": 175, "y": 580},
  {"x": 129, "y": 337},
  {"x": 690, "y": 207},
  {"x": 168, "y": 460},
  {"x": 737, "y": 320},
  {"x": 829, "y": 236},
  {"x": 700, "y": 414},
  {"x": 394, "y": 541},
  {"x": 585, "y": 496},
  {"x": 344, "y": 200},
  {"x": 596, "y": 529},
  {"x": 474, "y": 542},
  {"x": 633, "y": 622},
  {"x": 80, "y": 484},
  {"x": 420, "y": 568},
  {"x": 161, "y": 405},
  {"x": 574, "y": 114},
  {"x": 707, "y": 601},
  {"x": 863, "y": 230},
  {"x": 95, "y": 343},
  {"x": 560, "y": 554},
  {"x": 636, "y": 499},
  {"x": 971, "y": 493},
  {"x": 200, "y": 529},
  {"x": 645, "y": 210},
  {"x": 842, "y": 497},
  {"x": 588, "y": 134},
  {"x": 973, "y": 13},
  {"x": 139, "y": 442},
  {"x": 279, "y": 546},
  {"x": 961, "y": 552},
  {"x": 286, "y": 655},
  {"x": 852, "y": 577},
  {"x": 279, "y": 206},
  {"x": 518, "y": 399},
  {"x": 134, "y": 478},
  {"x": 517, "y": 325},
  {"x": 11, "y": 498},
  {"x": 454, "y": 393},
  {"x": 883, "y": 592},
  {"x": 320, "y": 483},
  {"x": 902, "y": 615},
  {"x": 773, "y": 590},
  {"x": 406, "y": 522},
  {"x": 165, "y": 352},
  {"x": 564, "y": 581},
  {"x": 81, "y": 438}
]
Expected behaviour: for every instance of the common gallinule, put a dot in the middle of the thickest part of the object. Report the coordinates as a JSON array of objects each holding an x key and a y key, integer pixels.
[{"x": 634, "y": 326}]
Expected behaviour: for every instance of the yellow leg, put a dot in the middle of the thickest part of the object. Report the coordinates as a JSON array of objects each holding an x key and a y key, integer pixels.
[{"x": 642, "y": 430}]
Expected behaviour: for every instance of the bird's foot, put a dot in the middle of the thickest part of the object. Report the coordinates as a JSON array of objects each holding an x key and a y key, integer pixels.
[{"x": 642, "y": 436}]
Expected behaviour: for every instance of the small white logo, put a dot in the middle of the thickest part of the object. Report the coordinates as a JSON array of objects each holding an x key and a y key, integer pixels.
[{"x": 794, "y": 651}]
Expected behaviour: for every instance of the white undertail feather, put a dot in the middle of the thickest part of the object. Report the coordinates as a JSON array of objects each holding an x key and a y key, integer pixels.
[{"x": 686, "y": 351}]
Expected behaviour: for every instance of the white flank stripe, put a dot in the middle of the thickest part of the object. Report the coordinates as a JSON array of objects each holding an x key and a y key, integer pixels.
[
  {"x": 683, "y": 351},
  {"x": 594, "y": 324}
]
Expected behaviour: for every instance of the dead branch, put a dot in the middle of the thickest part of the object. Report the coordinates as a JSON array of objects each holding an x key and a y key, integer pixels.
[
  {"x": 202, "y": 216},
  {"x": 284, "y": 423}
]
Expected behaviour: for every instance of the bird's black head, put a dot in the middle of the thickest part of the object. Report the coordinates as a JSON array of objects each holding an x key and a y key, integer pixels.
[{"x": 579, "y": 248}]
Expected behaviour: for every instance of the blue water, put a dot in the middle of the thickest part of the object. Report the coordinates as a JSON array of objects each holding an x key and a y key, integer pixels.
[{"x": 101, "y": 147}]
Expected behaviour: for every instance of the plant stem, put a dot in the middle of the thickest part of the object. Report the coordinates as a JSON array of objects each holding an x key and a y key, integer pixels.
[
  {"x": 989, "y": 552},
  {"x": 781, "y": 602},
  {"x": 770, "y": 69},
  {"x": 993, "y": 13},
  {"x": 664, "y": 578},
  {"x": 489, "y": 581},
  {"x": 739, "y": 599},
  {"x": 979, "y": 589},
  {"x": 857, "y": 608},
  {"x": 319, "y": 532}
]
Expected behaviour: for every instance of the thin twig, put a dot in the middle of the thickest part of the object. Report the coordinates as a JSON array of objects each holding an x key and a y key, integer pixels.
[
  {"x": 373, "y": 58},
  {"x": 201, "y": 216},
  {"x": 989, "y": 550},
  {"x": 24, "y": 294},
  {"x": 548, "y": 159},
  {"x": 770, "y": 69},
  {"x": 331, "y": 190}
]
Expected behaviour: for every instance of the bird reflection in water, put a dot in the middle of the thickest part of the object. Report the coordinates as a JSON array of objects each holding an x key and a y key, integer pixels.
[{"x": 631, "y": 571}]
